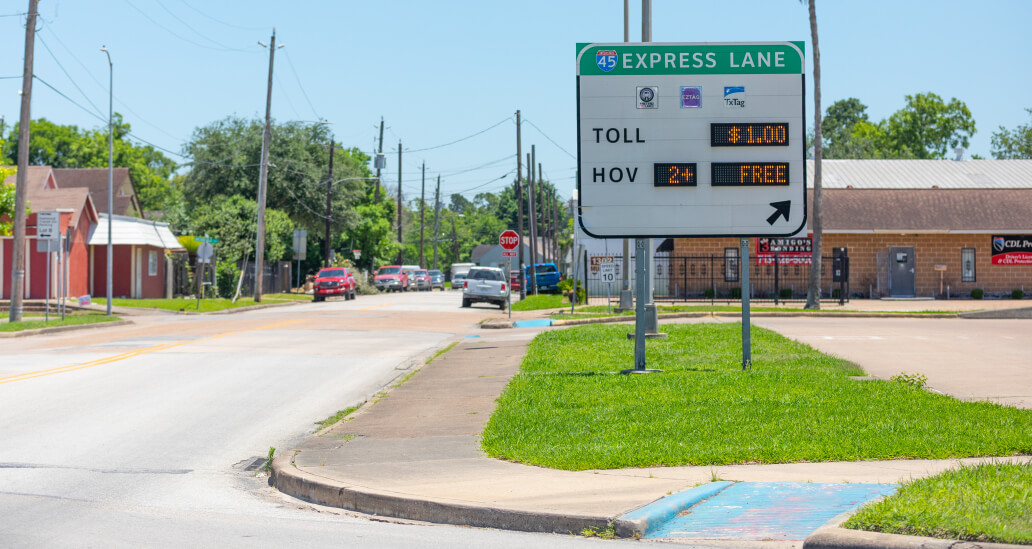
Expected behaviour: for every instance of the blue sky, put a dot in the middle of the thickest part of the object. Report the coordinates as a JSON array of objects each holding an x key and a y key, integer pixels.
[{"x": 441, "y": 71}]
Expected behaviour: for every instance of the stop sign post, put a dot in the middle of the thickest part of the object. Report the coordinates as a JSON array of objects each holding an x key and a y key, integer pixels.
[{"x": 509, "y": 241}]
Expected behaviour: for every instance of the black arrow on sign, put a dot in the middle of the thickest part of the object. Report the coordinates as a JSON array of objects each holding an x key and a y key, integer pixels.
[{"x": 780, "y": 209}]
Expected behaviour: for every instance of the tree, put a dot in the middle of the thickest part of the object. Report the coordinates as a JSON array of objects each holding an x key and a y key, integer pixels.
[
  {"x": 7, "y": 202},
  {"x": 838, "y": 127},
  {"x": 71, "y": 147},
  {"x": 927, "y": 127},
  {"x": 813, "y": 290},
  {"x": 1012, "y": 145}
]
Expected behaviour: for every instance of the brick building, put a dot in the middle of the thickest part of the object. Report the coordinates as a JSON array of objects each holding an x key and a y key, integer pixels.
[{"x": 910, "y": 227}]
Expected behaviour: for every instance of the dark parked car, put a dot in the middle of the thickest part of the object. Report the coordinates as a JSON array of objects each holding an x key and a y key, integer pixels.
[{"x": 333, "y": 281}]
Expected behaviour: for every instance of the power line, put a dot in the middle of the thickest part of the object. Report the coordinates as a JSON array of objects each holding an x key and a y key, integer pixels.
[
  {"x": 170, "y": 31},
  {"x": 195, "y": 31},
  {"x": 549, "y": 138},
  {"x": 72, "y": 80},
  {"x": 303, "y": 92},
  {"x": 187, "y": 4},
  {"x": 493, "y": 126}
]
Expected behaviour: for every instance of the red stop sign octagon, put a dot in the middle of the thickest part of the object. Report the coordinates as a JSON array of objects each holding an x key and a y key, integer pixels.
[{"x": 509, "y": 240}]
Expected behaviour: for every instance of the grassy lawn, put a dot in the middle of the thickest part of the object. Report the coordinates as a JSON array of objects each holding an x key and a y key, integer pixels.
[
  {"x": 207, "y": 305},
  {"x": 569, "y": 408},
  {"x": 540, "y": 301},
  {"x": 985, "y": 503},
  {"x": 36, "y": 321}
]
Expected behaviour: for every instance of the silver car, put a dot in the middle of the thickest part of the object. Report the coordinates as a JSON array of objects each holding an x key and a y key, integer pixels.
[{"x": 485, "y": 284}]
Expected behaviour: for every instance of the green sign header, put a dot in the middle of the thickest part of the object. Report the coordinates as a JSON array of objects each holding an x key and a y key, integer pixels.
[{"x": 702, "y": 58}]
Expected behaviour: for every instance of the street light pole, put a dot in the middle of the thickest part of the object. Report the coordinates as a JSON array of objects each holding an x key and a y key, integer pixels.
[
  {"x": 263, "y": 178},
  {"x": 110, "y": 175}
]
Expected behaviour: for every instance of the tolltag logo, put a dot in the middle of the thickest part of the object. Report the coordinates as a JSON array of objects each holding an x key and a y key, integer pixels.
[
  {"x": 605, "y": 59},
  {"x": 999, "y": 244},
  {"x": 691, "y": 97},
  {"x": 734, "y": 97},
  {"x": 647, "y": 97}
]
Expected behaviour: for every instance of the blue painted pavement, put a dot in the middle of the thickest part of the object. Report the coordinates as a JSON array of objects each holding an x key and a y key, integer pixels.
[
  {"x": 533, "y": 323},
  {"x": 766, "y": 510}
]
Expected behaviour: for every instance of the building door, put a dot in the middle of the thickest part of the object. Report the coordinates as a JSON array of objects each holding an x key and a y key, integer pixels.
[{"x": 901, "y": 272}]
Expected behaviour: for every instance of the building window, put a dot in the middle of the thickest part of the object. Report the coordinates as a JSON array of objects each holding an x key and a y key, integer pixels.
[
  {"x": 967, "y": 265},
  {"x": 152, "y": 263},
  {"x": 731, "y": 264}
]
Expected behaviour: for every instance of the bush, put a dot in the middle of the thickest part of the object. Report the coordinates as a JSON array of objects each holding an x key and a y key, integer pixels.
[
  {"x": 709, "y": 293},
  {"x": 786, "y": 293},
  {"x": 226, "y": 277},
  {"x": 736, "y": 293},
  {"x": 1017, "y": 293},
  {"x": 977, "y": 293},
  {"x": 566, "y": 287},
  {"x": 835, "y": 293}
]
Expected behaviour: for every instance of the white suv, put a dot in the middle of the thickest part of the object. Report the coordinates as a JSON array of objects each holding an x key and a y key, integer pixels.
[{"x": 485, "y": 284}]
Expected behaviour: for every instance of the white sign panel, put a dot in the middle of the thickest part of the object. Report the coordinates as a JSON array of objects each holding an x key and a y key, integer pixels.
[
  {"x": 607, "y": 271},
  {"x": 48, "y": 225},
  {"x": 691, "y": 140}
]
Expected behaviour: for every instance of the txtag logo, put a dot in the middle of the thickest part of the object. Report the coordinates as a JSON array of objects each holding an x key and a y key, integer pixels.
[
  {"x": 691, "y": 97},
  {"x": 734, "y": 97},
  {"x": 999, "y": 244}
]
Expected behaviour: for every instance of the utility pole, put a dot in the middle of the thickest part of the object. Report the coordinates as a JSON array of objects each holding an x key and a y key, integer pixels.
[
  {"x": 422, "y": 211},
  {"x": 329, "y": 196},
  {"x": 263, "y": 178},
  {"x": 519, "y": 206},
  {"x": 437, "y": 215},
  {"x": 400, "y": 246},
  {"x": 532, "y": 220},
  {"x": 21, "y": 180},
  {"x": 556, "y": 216},
  {"x": 626, "y": 297},
  {"x": 455, "y": 241},
  {"x": 379, "y": 154},
  {"x": 542, "y": 225}
]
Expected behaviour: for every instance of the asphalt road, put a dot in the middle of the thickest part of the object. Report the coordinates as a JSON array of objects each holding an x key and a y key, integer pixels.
[{"x": 138, "y": 435}]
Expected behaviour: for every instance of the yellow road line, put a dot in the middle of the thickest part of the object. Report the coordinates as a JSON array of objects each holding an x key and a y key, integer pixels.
[
  {"x": 133, "y": 353},
  {"x": 371, "y": 307}
]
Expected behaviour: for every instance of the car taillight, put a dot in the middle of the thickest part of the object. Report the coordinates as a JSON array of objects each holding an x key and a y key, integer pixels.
[
  {"x": 503, "y": 286},
  {"x": 465, "y": 284}
]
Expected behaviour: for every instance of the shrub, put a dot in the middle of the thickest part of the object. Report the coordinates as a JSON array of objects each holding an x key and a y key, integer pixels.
[
  {"x": 977, "y": 293},
  {"x": 709, "y": 293},
  {"x": 1017, "y": 293},
  {"x": 915, "y": 380},
  {"x": 736, "y": 293},
  {"x": 566, "y": 287},
  {"x": 786, "y": 293},
  {"x": 835, "y": 293}
]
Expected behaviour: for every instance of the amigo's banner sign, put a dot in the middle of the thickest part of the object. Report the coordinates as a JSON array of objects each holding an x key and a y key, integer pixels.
[{"x": 1012, "y": 249}]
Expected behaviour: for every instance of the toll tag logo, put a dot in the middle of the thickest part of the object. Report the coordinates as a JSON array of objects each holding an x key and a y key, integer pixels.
[
  {"x": 734, "y": 97},
  {"x": 606, "y": 60},
  {"x": 691, "y": 97},
  {"x": 999, "y": 244},
  {"x": 647, "y": 97}
]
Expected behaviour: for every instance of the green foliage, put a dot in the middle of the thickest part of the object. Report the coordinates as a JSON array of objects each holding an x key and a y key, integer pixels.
[
  {"x": 7, "y": 202},
  {"x": 60, "y": 146},
  {"x": 914, "y": 380},
  {"x": 231, "y": 219},
  {"x": 785, "y": 293},
  {"x": 981, "y": 503},
  {"x": 268, "y": 461},
  {"x": 566, "y": 288},
  {"x": 536, "y": 302},
  {"x": 226, "y": 277},
  {"x": 1017, "y": 293},
  {"x": 72, "y": 320},
  {"x": 1009, "y": 144},
  {"x": 735, "y": 293},
  {"x": 977, "y": 293},
  {"x": 926, "y": 127},
  {"x": 708, "y": 293}
]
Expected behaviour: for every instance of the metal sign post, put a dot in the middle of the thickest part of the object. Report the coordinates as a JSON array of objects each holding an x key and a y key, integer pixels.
[
  {"x": 607, "y": 271},
  {"x": 46, "y": 316},
  {"x": 746, "y": 325}
]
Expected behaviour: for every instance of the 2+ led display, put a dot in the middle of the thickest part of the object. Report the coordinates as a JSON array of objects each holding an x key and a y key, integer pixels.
[
  {"x": 763, "y": 134},
  {"x": 680, "y": 174},
  {"x": 750, "y": 174}
]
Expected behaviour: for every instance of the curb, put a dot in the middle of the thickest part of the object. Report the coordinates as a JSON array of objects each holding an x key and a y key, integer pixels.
[
  {"x": 59, "y": 329},
  {"x": 835, "y": 537},
  {"x": 639, "y": 521},
  {"x": 287, "y": 478},
  {"x": 497, "y": 324}
]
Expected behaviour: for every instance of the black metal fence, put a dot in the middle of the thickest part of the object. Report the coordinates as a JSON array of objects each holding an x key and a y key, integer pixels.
[{"x": 718, "y": 278}]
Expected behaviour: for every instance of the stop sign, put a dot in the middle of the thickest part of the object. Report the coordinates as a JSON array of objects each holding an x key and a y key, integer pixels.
[{"x": 509, "y": 240}]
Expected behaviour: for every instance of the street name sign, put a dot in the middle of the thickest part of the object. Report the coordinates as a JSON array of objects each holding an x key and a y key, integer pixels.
[
  {"x": 48, "y": 226},
  {"x": 691, "y": 139},
  {"x": 206, "y": 238}
]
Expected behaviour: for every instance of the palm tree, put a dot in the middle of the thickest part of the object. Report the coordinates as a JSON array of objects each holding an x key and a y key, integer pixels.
[{"x": 813, "y": 291}]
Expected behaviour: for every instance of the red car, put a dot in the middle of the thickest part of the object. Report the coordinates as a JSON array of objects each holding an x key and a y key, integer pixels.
[
  {"x": 334, "y": 281},
  {"x": 514, "y": 280},
  {"x": 391, "y": 278}
]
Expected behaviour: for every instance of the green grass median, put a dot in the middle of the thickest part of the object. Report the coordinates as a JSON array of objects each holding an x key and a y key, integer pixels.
[
  {"x": 207, "y": 305},
  {"x": 36, "y": 322},
  {"x": 599, "y": 311},
  {"x": 570, "y": 408},
  {"x": 540, "y": 301},
  {"x": 984, "y": 503}
]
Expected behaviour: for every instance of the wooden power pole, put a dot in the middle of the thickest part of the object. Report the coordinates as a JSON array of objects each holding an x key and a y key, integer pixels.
[
  {"x": 519, "y": 207},
  {"x": 21, "y": 179},
  {"x": 422, "y": 211}
]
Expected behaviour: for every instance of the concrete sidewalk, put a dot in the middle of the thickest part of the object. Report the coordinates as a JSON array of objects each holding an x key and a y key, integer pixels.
[{"x": 414, "y": 454}]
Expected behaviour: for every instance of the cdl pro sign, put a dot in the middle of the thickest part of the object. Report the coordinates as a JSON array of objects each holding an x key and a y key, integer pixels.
[{"x": 691, "y": 140}]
